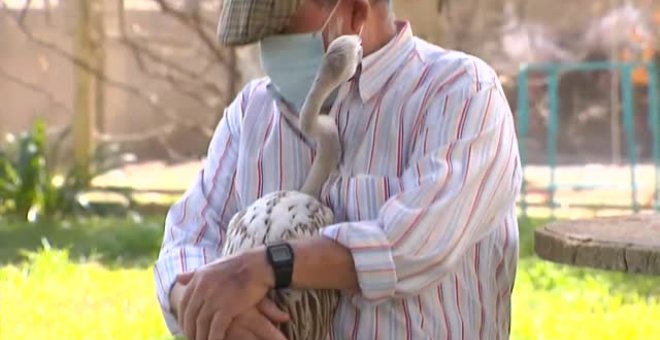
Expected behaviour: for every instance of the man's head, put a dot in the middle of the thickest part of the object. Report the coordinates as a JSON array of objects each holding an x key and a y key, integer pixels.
[
  {"x": 338, "y": 17},
  {"x": 247, "y": 21},
  {"x": 294, "y": 36}
]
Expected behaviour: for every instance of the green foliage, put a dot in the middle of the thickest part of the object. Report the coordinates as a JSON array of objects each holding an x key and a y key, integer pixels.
[
  {"x": 553, "y": 301},
  {"x": 34, "y": 186},
  {"x": 22, "y": 172},
  {"x": 52, "y": 297},
  {"x": 60, "y": 291},
  {"x": 558, "y": 302}
]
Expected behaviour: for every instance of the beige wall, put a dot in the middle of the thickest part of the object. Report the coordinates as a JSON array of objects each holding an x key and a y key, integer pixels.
[
  {"x": 22, "y": 59},
  {"x": 424, "y": 16},
  {"x": 126, "y": 114}
]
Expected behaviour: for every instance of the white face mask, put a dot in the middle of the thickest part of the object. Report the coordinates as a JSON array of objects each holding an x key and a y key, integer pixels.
[{"x": 293, "y": 60}]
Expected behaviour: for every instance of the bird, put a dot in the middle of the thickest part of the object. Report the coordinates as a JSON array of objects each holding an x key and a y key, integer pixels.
[{"x": 298, "y": 214}]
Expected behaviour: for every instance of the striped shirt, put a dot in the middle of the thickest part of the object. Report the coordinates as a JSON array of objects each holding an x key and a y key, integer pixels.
[{"x": 424, "y": 197}]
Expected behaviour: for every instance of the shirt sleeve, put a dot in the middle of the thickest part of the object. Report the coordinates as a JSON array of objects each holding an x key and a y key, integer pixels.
[
  {"x": 463, "y": 180},
  {"x": 195, "y": 225}
]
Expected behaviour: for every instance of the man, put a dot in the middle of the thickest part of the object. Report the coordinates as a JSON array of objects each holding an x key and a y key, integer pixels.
[{"x": 425, "y": 242}]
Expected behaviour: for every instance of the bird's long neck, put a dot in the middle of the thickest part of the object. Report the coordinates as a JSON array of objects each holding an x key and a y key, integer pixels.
[
  {"x": 310, "y": 111},
  {"x": 324, "y": 131}
]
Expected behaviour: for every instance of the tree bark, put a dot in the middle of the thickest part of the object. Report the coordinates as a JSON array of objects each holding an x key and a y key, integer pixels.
[
  {"x": 83, "y": 117},
  {"x": 626, "y": 244}
]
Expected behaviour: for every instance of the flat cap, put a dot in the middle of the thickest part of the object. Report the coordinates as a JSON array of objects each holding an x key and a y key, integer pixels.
[{"x": 244, "y": 22}]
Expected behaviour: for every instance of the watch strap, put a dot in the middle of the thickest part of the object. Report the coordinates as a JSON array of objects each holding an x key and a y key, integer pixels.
[{"x": 280, "y": 256}]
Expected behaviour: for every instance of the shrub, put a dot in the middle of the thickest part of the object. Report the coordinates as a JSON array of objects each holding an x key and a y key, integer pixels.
[{"x": 33, "y": 185}]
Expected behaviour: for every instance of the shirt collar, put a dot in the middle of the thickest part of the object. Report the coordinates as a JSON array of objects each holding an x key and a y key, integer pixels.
[{"x": 379, "y": 66}]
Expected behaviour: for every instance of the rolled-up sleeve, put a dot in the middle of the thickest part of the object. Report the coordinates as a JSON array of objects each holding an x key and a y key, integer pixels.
[
  {"x": 195, "y": 225},
  {"x": 463, "y": 179}
]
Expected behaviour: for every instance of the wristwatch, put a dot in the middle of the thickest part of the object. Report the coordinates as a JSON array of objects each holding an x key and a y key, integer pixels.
[{"x": 280, "y": 256}]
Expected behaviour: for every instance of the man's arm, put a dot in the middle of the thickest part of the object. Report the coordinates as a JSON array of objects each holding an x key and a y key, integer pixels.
[
  {"x": 466, "y": 178},
  {"x": 320, "y": 263},
  {"x": 192, "y": 237}
]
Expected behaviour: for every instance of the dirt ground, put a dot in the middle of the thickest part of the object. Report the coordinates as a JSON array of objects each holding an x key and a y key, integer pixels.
[{"x": 595, "y": 185}]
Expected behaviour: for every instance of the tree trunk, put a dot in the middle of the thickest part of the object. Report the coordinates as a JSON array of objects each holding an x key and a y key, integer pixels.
[{"x": 88, "y": 15}]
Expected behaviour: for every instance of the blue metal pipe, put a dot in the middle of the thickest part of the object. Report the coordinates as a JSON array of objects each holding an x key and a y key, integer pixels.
[
  {"x": 627, "y": 90},
  {"x": 653, "y": 123},
  {"x": 523, "y": 128},
  {"x": 553, "y": 128},
  {"x": 627, "y": 95}
]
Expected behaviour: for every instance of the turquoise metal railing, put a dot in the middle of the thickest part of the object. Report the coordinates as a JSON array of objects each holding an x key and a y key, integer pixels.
[{"x": 553, "y": 71}]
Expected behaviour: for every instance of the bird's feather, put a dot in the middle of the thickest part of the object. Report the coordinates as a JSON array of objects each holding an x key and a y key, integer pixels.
[{"x": 287, "y": 215}]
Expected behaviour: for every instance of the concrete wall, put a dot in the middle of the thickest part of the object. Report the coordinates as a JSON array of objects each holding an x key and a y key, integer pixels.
[
  {"x": 37, "y": 66},
  {"x": 424, "y": 16},
  {"x": 37, "y": 82},
  {"x": 126, "y": 114}
]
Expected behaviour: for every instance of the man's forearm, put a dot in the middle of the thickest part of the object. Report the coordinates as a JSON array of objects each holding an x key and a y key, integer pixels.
[{"x": 320, "y": 263}]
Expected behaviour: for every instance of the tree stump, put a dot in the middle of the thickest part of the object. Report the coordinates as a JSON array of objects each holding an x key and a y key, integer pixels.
[{"x": 625, "y": 244}]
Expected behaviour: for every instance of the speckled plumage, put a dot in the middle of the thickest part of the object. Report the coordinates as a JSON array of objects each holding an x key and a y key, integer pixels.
[{"x": 288, "y": 215}]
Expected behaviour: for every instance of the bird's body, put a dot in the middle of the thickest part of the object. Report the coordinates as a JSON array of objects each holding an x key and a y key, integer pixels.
[{"x": 289, "y": 215}]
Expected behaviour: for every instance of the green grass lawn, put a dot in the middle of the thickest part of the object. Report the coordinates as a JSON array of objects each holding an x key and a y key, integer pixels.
[{"x": 102, "y": 288}]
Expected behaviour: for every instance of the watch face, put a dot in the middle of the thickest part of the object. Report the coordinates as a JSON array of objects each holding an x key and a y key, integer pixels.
[{"x": 281, "y": 253}]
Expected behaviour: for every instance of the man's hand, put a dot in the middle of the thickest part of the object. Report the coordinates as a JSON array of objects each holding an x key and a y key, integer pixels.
[
  {"x": 213, "y": 295},
  {"x": 207, "y": 300},
  {"x": 258, "y": 323}
]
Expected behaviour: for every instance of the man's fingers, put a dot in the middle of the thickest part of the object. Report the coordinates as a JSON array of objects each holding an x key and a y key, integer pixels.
[
  {"x": 194, "y": 303},
  {"x": 203, "y": 323},
  {"x": 239, "y": 334},
  {"x": 175, "y": 300},
  {"x": 268, "y": 308},
  {"x": 219, "y": 325},
  {"x": 264, "y": 329},
  {"x": 185, "y": 278},
  {"x": 185, "y": 300}
]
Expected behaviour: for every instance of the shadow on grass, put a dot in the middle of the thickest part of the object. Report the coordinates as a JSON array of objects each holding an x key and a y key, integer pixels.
[
  {"x": 111, "y": 241},
  {"x": 126, "y": 243},
  {"x": 116, "y": 241}
]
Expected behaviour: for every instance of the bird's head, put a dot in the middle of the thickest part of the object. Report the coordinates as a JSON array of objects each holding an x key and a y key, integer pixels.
[{"x": 341, "y": 60}]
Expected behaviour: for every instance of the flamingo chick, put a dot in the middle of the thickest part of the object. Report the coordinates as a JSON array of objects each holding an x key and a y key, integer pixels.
[{"x": 288, "y": 215}]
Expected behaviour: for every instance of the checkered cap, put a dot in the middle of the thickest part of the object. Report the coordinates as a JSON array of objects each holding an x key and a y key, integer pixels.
[{"x": 246, "y": 21}]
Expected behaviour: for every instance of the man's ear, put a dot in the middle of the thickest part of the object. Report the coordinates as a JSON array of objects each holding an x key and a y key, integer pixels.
[{"x": 359, "y": 15}]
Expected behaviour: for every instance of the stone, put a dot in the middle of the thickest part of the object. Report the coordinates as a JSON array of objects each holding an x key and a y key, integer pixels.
[{"x": 623, "y": 243}]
